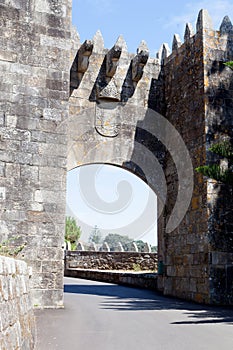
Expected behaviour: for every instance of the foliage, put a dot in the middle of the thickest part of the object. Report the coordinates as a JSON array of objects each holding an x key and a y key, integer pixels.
[
  {"x": 10, "y": 248},
  {"x": 73, "y": 231},
  {"x": 217, "y": 172},
  {"x": 223, "y": 149},
  {"x": 113, "y": 239},
  {"x": 95, "y": 236}
]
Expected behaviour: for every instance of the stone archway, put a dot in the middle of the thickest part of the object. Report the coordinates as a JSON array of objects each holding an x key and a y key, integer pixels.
[
  {"x": 186, "y": 86},
  {"x": 113, "y": 119}
]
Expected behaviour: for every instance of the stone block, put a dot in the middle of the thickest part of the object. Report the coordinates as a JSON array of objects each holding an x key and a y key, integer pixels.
[{"x": 8, "y": 56}]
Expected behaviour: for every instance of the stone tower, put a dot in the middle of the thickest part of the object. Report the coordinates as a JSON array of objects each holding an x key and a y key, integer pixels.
[{"x": 35, "y": 72}]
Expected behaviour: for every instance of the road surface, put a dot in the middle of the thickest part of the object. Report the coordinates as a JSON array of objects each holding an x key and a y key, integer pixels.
[{"x": 102, "y": 316}]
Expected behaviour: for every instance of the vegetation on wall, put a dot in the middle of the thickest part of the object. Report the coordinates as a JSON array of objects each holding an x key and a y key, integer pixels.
[
  {"x": 223, "y": 171},
  {"x": 9, "y": 247},
  {"x": 229, "y": 64}
]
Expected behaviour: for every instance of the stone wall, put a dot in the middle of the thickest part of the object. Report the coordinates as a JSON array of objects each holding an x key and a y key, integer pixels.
[
  {"x": 35, "y": 50},
  {"x": 198, "y": 99},
  {"x": 186, "y": 248},
  {"x": 136, "y": 279},
  {"x": 110, "y": 260},
  {"x": 17, "y": 323},
  {"x": 219, "y": 126}
]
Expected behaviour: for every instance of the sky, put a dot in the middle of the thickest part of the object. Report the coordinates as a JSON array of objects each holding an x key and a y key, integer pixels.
[
  {"x": 155, "y": 22},
  {"x": 151, "y": 20}
]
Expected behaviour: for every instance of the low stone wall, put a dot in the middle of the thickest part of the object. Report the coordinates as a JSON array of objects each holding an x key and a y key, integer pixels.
[
  {"x": 136, "y": 279},
  {"x": 133, "y": 261},
  {"x": 17, "y": 323}
]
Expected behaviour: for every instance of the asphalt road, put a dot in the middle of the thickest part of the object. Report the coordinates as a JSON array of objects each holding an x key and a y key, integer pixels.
[{"x": 102, "y": 316}]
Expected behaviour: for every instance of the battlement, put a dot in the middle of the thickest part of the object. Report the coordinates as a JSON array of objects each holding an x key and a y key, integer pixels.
[
  {"x": 117, "y": 72},
  {"x": 110, "y": 74},
  {"x": 204, "y": 30},
  {"x": 204, "y": 24}
]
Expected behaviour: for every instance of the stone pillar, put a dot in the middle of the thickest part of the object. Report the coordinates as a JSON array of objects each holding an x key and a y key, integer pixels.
[
  {"x": 93, "y": 247},
  {"x": 80, "y": 246},
  {"x": 105, "y": 247},
  {"x": 134, "y": 247},
  {"x": 119, "y": 247},
  {"x": 147, "y": 248}
]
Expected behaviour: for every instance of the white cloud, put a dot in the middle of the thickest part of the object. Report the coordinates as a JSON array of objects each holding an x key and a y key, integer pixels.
[{"x": 217, "y": 10}]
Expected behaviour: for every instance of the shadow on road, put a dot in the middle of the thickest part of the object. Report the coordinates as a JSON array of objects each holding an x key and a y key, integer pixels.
[{"x": 120, "y": 298}]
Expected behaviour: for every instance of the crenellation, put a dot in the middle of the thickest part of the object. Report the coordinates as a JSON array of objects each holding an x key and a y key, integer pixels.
[
  {"x": 226, "y": 26},
  {"x": 121, "y": 43},
  {"x": 204, "y": 21},
  {"x": 159, "y": 53},
  {"x": 98, "y": 41},
  {"x": 189, "y": 32},
  {"x": 165, "y": 52},
  {"x": 142, "y": 47},
  {"x": 176, "y": 42}
]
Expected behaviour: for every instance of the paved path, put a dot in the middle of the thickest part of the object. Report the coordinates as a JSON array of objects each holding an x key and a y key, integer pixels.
[{"x": 103, "y": 316}]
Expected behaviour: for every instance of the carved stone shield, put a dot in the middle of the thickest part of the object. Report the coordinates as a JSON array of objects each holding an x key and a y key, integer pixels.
[{"x": 107, "y": 118}]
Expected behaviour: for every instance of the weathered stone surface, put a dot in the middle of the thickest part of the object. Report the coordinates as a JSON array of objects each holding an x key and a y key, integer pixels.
[
  {"x": 106, "y": 260},
  {"x": 206, "y": 230},
  {"x": 17, "y": 323},
  {"x": 34, "y": 105}
]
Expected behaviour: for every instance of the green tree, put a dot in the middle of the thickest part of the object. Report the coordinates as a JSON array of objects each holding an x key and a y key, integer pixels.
[
  {"x": 113, "y": 239},
  {"x": 73, "y": 231},
  {"x": 95, "y": 236}
]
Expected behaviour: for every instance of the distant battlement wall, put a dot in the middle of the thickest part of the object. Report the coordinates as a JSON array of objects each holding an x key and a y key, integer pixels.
[{"x": 127, "y": 261}]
